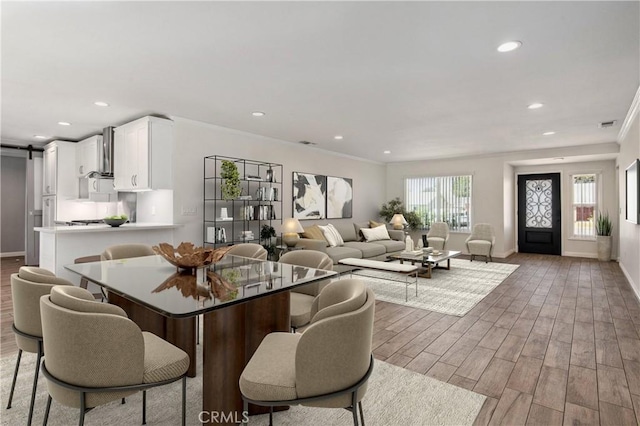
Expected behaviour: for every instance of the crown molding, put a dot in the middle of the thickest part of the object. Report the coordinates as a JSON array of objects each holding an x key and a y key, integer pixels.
[{"x": 631, "y": 115}]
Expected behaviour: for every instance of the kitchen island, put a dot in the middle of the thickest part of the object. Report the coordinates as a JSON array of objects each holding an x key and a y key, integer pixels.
[{"x": 61, "y": 245}]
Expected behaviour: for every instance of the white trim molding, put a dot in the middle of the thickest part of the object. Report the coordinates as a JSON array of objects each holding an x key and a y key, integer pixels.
[
  {"x": 628, "y": 277},
  {"x": 580, "y": 254},
  {"x": 631, "y": 115}
]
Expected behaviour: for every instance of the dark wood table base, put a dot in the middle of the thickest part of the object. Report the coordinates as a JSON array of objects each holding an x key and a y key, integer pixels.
[{"x": 231, "y": 336}]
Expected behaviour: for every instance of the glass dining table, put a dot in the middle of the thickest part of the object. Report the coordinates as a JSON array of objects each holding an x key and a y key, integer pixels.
[{"x": 241, "y": 300}]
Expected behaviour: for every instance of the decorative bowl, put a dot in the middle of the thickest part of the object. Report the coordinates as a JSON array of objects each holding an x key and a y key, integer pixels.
[
  {"x": 188, "y": 256},
  {"x": 114, "y": 222}
]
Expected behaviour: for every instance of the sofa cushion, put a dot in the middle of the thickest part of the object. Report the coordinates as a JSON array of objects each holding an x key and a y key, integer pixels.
[
  {"x": 390, "y": 245},
  {"x": 337, "y": 253},
  {"x": 374, "y": 224},
  {"x": 346, "y": 231},
  {"x": 367, "y": 249},
  {"x": 313, "y": 233},
  {"x": 357, "y": 227},
  {"x": 375, "y": 234},
  {"x": 332, "y": 235}
]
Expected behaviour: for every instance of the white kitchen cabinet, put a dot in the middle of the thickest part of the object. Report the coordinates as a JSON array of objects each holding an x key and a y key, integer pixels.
[
  {"x": 87, "y": 152},
  {"x": 102, "y": 190},
  {"x": 59, "y": 178},
  {"x": 50, "y": 164},
  {"x": 143, "y": 155},
  {"x": 48, "y": 210}
]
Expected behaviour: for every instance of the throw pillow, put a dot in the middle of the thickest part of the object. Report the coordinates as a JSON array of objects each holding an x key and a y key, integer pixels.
[
  {"x": 376, "y": 234},
  {"x": 374, "y": 224},
  {"x": 332, "y": 236},
  {"x": 313, "y": 233}
]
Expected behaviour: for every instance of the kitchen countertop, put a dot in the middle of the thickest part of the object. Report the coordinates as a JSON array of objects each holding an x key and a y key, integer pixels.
[{"x": 104, "y": 228}]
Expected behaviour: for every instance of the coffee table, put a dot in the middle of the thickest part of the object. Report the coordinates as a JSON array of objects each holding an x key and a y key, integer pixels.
[{"x": 428, "y": 262}]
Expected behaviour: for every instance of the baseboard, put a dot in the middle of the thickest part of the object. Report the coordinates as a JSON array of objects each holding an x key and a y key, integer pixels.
[
  {"x": 505, "y": 254},
  {"x": 12, "y": 254},
  {"x": 580, "y": 254},
  {"x": 628, "y": 277}
]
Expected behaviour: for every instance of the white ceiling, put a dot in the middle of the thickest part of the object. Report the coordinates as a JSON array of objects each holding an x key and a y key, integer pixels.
[{"x": 422, "y": 79}]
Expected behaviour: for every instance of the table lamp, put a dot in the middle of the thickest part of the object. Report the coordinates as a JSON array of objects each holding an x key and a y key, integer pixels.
[
  {"x": 290, "y": 230},
  {"x": 398, "y": 221}
]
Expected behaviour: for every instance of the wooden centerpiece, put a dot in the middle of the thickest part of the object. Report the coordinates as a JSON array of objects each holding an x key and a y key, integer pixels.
[{"x": 189, "y": 257}]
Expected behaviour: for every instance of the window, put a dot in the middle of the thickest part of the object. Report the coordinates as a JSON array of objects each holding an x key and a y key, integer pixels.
[
  {"x": 585, "y": 196},
  {"x": 440, "y": 199}
]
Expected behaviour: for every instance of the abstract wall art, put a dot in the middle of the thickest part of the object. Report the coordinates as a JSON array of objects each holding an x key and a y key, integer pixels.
[
  {"x": 309, "y": 195},
  {"x": 339, "y": 197}
]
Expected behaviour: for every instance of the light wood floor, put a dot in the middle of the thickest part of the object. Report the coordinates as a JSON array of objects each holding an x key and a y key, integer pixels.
[{"x": 557, "y": 342}]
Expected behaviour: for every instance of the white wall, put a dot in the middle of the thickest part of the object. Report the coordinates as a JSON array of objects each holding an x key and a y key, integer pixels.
[
  {"x": 492, "y": 184},
  {"x": 195, "y": 140},
  {"x": 608, "y": 201},
  {"x": 629, "y": 232}
]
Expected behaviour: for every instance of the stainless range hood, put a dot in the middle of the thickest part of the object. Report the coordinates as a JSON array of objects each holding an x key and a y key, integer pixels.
[{"x": 105, "y": 156}]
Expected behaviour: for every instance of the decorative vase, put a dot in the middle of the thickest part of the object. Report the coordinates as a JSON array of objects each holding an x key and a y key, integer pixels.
[{"x": 604, "y": 247}]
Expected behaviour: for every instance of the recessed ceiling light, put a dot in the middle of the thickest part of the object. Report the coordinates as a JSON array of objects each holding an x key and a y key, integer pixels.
[
  {"x": 64, "y": 123},
  {"x": 101, "y": 104},
  {"x": 338, "y": 137},
  {"x": 40, "y": 137},
  {"x": 535, "y": 105},
  {"x": 548, "y": 133},
  {"x": 387, "y": 152},
  {"x": 509, "y": 46},
  {"x": 258, "y": 114}
]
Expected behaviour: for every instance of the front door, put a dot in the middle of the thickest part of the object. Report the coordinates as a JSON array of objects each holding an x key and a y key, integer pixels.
[{"x": 539, "y": 213}]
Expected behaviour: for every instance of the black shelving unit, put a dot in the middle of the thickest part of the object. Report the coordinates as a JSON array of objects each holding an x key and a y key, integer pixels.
[{"x": 262, "y": 181}]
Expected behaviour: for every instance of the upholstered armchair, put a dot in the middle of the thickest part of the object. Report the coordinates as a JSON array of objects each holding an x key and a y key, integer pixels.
[
  {"x": 95, "y": 354},
  {"x": 302, "y": 297},
  {"x": 27, "y": 286},
  {"x": 481, "y": 241},
  {"x": 254, "y": 251},
  {"x": 126, "y": 251},
  {"x": 438, "y": 235},
  {"x": 326, "y": 366}
]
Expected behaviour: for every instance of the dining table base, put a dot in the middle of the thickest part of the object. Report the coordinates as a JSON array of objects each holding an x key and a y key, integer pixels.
[{"x": 230, "y": 338}]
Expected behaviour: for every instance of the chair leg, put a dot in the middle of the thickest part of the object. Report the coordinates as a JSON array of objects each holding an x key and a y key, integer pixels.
[
  {"x": 271, "y": 416},
  {"x": 361, "y": 413},
  {"x": 245, "y": 412},
  {"x": 83, "y": 408},
  {"x": 15, "y": 377},
  {"x": 354, "y": 408},
  {"x": 35, "y": 384},
  {"x": 197, "y": 329},
  {"x": 46, "y": 411},
  {"x": 144, "y": 407},
  {"x": 124, "y": 401},
  {"x": 184, "y": 401}
]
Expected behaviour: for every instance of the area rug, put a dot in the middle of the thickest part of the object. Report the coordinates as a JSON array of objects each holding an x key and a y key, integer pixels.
[
  {"x": 395, "y": 396},
  {"x": 452, "y": 292}
]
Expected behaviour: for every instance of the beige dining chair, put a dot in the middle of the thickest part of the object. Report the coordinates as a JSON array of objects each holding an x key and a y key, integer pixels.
[
  {"x": 252, "y": 250},
  {"x": 326, "y": 366},
  {"x": 302, "y": 297},
  {"x": 85, "y": 368},
  {"x": 438, "y": 235},
  {"x": 27, "y": 286},
  {"x": 126, "y": 251},
  {"x": 481, "y": 241}
]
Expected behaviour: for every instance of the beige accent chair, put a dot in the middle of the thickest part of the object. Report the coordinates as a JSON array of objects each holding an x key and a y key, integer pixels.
[
  {"x": 126, "y": 251},
  {"x": 27, "y": 286},
  {"x": 95, "y": 354},
  {"x": 481, "y": 241},
  {"x": 302, "y": 297},
  {"x": 254, "y": 251},
  {"x": 326, "y": 366},
  {"x": 438, "y": 235}
]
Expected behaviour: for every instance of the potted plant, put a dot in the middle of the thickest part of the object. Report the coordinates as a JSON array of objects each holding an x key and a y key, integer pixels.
[
  {"x": 604, "y": 227},
  {"x": 231, "y": 180},
  {"x": 396, "y": 206},
  {"x": 267, "y": 234}
]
